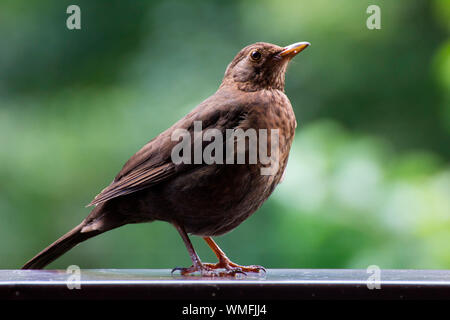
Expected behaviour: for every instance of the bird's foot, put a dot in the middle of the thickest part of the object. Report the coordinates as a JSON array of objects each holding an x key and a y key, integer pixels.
[
  {"x": 231, "y": 266},
  {"x": 224, "y": 268},
  {"x": 205, "y": 270}
]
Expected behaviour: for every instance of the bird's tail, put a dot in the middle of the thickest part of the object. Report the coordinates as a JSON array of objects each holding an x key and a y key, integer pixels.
[{"x": 60, "y": 246}]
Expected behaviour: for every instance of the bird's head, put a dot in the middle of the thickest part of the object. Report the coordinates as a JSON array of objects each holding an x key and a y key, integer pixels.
[{"x": 261, "y": 66}]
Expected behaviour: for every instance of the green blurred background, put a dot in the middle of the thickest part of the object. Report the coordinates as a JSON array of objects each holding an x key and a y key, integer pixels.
[{"x": 368, "y": 180}]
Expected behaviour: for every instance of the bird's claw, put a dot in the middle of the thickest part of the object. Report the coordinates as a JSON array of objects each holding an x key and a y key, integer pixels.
[
  {"x": 220, "y": 269},
  {"x": 252, "y": 268},
  {"x": 206, "y": 271},
  {"x": 229, "y": 268}
]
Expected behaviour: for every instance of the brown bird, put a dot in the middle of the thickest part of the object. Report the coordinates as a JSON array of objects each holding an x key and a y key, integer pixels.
[{"x": 199, "y": 198}]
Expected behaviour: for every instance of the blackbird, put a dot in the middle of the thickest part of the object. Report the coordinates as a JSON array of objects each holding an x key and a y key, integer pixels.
[{"x": 199, "y": 198}]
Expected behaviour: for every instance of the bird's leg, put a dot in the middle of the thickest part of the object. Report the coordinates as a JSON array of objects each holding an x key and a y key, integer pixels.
[
  {"x": 197, "y": 265},
  {"x": 208, "y": 269},
  {"x": 196, "y": 262},
  {"x": 225, "y": 262}
]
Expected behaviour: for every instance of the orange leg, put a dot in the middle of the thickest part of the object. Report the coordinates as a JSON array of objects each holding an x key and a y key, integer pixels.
[
  {"x": 209, "y": 269},
  {"x": 225, "y": 262}
]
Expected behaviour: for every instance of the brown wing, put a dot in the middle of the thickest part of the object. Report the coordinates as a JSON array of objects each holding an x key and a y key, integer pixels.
[
  {"x": 152, "y": 164},
  {"x": 137, "y": 180}
]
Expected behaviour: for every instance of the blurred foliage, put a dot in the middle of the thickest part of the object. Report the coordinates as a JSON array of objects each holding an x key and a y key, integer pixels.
[{"x": 368, "y": 180}]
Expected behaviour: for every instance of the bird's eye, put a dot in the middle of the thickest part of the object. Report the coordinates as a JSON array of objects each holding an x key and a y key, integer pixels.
[{"x": 255, "y": 55}]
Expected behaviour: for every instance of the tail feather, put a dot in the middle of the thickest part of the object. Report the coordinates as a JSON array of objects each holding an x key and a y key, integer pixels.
[{"x": 59, "y": 247}]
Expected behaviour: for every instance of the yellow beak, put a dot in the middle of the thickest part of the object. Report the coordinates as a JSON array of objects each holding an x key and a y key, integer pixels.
[{"x": 292, "y": 50}]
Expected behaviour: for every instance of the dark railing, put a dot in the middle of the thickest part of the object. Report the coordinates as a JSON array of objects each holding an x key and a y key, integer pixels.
[{"x": 276, "y": 284}]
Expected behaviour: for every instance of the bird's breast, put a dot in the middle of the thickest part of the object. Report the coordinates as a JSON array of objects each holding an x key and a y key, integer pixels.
[{"x": 213, "y": 199}]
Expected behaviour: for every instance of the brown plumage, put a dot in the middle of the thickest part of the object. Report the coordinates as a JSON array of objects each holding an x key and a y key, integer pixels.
[{"x": 201, "y": 199}]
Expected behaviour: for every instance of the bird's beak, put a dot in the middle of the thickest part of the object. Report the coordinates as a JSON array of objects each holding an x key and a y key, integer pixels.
[{"x": 292, "y": 50}]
